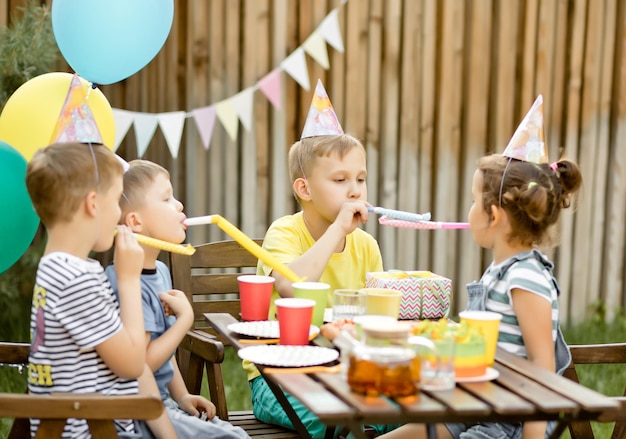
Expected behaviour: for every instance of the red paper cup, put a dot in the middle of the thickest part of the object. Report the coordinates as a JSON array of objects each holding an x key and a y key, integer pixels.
[
  {"x": 255, "y": 293},
  {"x": 294, "y": 320}
]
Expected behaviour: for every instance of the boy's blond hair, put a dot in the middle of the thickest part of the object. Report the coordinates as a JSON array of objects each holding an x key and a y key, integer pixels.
[
  {"x": 140, "y": 174},
  {"x": 304, "y": 153},
  {"x": 60, "y": 176}
]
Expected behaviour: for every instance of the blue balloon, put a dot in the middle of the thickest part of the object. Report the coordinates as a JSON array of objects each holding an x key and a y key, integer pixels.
[
  {"x": 19, "y": 221},
  {"x": 109, "y": 40}
]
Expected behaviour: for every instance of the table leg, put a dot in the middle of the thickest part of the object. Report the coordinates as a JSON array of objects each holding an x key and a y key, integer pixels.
[
  {"x": 431, "y": 431},
  {"x": 291, "y": 413},
  {"x": 559, "y": 429}
]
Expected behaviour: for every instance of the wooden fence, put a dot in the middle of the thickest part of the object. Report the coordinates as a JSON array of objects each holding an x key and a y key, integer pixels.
[{"x": 428, "y": 86}]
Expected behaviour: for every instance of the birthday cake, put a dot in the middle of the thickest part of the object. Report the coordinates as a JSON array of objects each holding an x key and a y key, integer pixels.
[{"x": 470, "y": 348}]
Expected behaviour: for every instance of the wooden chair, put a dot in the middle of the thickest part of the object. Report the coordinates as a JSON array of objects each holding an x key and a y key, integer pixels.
[
  {"x": 609, "y": 353},
  {"x": 211, "y": 291},
  {"x": 54, "y": 410}
]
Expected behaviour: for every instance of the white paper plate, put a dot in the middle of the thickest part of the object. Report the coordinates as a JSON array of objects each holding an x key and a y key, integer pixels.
[
  {"x": 264, "y": 329},
  {"x": 490, "y": 375},
  {"x": 288, "y": 356}
]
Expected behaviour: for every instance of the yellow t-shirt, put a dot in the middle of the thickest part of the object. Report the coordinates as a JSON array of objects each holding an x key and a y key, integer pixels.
[{"x": 288, "y": 238}]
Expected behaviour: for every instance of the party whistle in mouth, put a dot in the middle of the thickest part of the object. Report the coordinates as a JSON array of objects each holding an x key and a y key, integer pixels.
[{"x": 164, "y": 245}]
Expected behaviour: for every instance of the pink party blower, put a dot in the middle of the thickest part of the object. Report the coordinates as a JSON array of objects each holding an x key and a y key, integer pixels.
[
  {"x": 255, "y": 294},
  {"x": 294, "y": 320}
]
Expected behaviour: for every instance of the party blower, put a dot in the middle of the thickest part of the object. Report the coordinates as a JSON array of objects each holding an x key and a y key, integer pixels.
[
  {"x": 164, "y": 245},
  {"x": 421, "y": 225},
  {"x": 246, "y": 243}
]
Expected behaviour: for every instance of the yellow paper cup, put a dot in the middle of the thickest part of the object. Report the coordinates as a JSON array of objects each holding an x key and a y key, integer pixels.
[
  {"x": 317, "y": 291},
  {"x": 382, "y": 301},
  {"x": 489, "y": 324}
]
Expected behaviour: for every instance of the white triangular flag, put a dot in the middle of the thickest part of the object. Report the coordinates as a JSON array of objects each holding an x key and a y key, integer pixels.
[
  {"x": 329, "y": 28},
  {"x": 243, "y": 102},
  {"x": 123, "y": 121},
  {"x": 295, "y": 66},
  {"x": 227, "y": 114},
  {"x": 145, "y": 126},
  {"x": 315, "y": 46},
  {"x": 172, "y": 125}
]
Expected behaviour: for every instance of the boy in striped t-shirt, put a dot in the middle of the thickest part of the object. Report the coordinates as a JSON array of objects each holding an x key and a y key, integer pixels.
[{"x": 83, "y": 339}]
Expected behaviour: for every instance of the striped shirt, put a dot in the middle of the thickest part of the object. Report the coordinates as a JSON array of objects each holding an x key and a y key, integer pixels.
[
  {"x": 526, "y": 272},
  {"x": 73, "y": 311}
]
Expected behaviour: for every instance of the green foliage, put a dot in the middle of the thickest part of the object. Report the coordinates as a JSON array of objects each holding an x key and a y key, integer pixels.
[{"x": 27, "y": 48}]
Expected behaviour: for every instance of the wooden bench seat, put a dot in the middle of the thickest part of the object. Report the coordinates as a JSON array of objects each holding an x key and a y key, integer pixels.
[
  {"x": 209, "y": 279},
  {"x": 54, "y": 410}
]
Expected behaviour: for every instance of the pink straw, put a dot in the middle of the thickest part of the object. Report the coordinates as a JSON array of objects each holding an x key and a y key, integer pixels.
[{"x": 421, "y": 225}]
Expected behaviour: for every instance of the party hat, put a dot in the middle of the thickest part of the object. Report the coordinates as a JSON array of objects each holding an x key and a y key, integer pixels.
[
  {"x": 528, "y": 141},
  {"x": 321, "y": 120},
  {"x": 76, "y": 122}
]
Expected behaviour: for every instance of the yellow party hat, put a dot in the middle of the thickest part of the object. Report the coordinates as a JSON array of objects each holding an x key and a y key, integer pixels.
[
  {"x": 528, "y": 141},
  {"x": 321, "y": 120},
  {"x": 76, "y": 122}
]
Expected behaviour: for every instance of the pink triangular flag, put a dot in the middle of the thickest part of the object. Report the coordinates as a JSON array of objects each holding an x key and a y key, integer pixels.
[
  {"x": 528, "y": 141},
  {"x": 205, "y": 121},
  {"x": 270, "y": 86},
  {"x": 321, "y": 120},
  {"x": 76, "y": 122}
]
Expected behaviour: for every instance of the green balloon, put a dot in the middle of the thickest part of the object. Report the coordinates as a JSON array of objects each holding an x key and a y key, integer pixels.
[{"x": 18, "y": 219}]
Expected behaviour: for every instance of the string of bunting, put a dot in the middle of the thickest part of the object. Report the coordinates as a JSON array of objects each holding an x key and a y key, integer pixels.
[{"x": 237, "y": 108}]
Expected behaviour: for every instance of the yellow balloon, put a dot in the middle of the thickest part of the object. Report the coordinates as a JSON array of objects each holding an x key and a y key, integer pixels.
[{"x": 31, "y": 113}]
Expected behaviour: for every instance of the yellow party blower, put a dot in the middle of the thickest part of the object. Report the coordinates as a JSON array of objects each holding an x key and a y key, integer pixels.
[
  {"x": 246, "y": 243},
  {"x": 164, "y": 245}
]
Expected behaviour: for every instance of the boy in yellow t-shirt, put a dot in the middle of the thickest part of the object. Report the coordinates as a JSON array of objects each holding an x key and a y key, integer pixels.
[{"x": 322, "y": 242}]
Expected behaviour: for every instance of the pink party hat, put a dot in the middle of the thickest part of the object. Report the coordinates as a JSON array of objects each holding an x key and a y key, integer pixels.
[
  {"x": 76, "y": 122},
  {"x": 321, "y": 120},
  {"x": 528, "y": 142}
]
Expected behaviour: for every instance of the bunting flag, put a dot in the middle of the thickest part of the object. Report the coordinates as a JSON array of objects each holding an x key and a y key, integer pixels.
[
  {"x": 172, "y": 125},
  {"x": 270, "y": 86},
  {"x": 315, "y": 46},
  {"x": 227, "y": 114},
  {"x": 123, "y": 120},
  {"x": 145, "y": 126},
  {"x": 295, "y": 65},
  {"x": 205, "y": 121},
  {"x": 240, "y": 106},
  {"x": 243, "y": 103}
]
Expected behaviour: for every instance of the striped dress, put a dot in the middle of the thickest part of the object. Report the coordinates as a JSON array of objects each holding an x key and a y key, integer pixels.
[
  {"x": 73, "y": 311},
  {"x": 527, "y": 272}
]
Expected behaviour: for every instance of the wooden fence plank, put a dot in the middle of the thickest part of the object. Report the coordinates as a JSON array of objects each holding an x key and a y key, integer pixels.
[
  {"x": 573, "y": 95},
  {"x": 614, "y": 285},
  {"x": 475, "y": 120},
  {"x": 408, "y": 240},
  {"x": 428, "y": 107},
  {"x": 448, "y": 134}
]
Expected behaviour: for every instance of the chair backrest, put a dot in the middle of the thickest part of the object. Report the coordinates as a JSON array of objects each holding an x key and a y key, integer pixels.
[
  {"x": 608, "y": 353},
  {"x": 209, "y": 277}
]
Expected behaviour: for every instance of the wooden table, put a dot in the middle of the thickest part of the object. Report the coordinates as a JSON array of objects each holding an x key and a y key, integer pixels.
[{"x": 522, "y": 392}]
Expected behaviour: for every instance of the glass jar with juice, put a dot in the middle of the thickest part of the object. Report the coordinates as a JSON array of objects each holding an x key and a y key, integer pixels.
[{"x": 384, "y": 364}]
